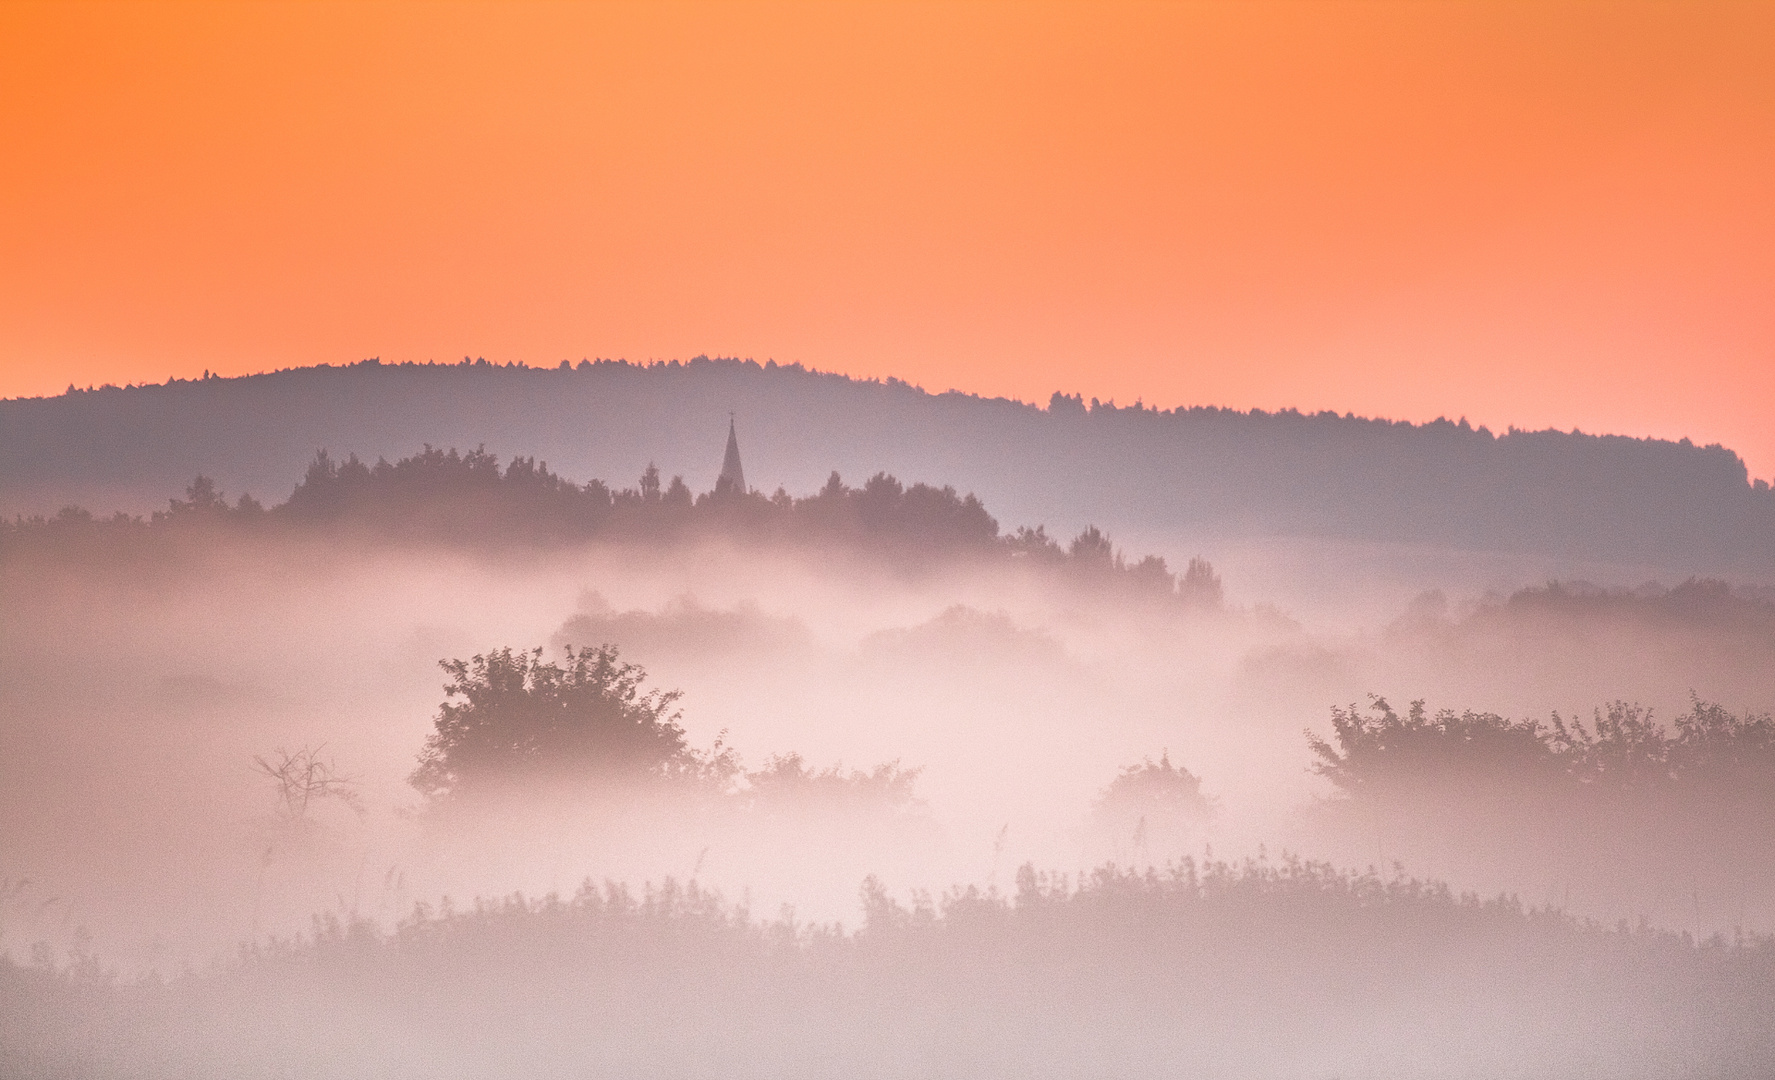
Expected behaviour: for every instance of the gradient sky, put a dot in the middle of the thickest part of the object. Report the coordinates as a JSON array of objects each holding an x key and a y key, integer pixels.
[{"x": 1523, "y": 213}]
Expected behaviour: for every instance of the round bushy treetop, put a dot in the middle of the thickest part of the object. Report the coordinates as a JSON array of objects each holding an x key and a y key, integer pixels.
[
  {"x": 509, "y": 716},
  {"x": 1155, "y": 788}
]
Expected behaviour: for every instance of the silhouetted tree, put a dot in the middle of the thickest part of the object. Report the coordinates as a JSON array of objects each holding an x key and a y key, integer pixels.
[
  {"x": 1092, "y": 549},
  {"x": 1713, "y": 746},
  {"x": 1200, "y": 586},
  {"x": 201, "y": 497},
  {"x": 1034, "y": 544},
  {"x": 583, "y": 722},
  {"x": 1155, "y": 787},
  {"x": 1151, "y": 809}
]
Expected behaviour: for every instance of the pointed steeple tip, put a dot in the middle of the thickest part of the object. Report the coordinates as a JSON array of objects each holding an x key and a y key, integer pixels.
[{"x": 732, "y": 480}]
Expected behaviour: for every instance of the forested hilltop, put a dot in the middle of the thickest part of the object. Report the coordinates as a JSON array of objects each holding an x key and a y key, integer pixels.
[{"x": 1204, "y": 470}]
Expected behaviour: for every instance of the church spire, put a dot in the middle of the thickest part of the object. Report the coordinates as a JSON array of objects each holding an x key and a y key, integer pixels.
[{"x": 732, "y": 480}]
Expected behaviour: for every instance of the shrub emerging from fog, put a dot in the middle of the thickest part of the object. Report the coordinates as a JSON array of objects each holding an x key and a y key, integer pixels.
[
  {"x": 1623, "y": 749},
  {"x": 787, "y": 782},
  {"x": 512, "y": 718},
  {"x": 1675, "y": 817},
  {"x": 1380, "y": 751},
  {"x": 1151, "y": 808},
  {"x": 1155, "y": 788}
]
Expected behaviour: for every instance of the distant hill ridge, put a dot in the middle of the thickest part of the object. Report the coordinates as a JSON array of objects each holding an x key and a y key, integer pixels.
[{"x": 1201, "y": 471}]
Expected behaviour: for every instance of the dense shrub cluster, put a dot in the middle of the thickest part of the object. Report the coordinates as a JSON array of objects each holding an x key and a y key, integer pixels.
[
  {"x": 1155, "y": 787},
  {"x": 1154, "y": 806},
  {"x": 522, "y": 720},
  {"x": 514, "y": 723},
  {"x": 1671, "y": 819},
  {"x": 1623, "y": 749},
  {"x": 788, "y": 782}
]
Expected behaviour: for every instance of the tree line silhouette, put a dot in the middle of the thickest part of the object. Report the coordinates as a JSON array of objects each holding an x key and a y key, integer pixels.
[
  {"x": 1684, "y": 508},
  {"x": 454, "y": 498}
]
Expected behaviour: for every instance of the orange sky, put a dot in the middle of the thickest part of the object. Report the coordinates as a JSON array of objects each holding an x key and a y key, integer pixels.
[{"x": 1518, "y": 212}]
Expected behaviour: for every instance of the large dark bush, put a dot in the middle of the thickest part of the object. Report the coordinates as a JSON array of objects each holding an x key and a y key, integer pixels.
[{"x": 510, "y": 717}]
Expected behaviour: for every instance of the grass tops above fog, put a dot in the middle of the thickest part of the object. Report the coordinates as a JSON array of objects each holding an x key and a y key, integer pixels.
[{"x": 1252, "y": 968}]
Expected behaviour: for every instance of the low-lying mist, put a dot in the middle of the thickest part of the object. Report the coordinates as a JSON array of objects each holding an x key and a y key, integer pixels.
[{"x": 208, "y": 742}]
